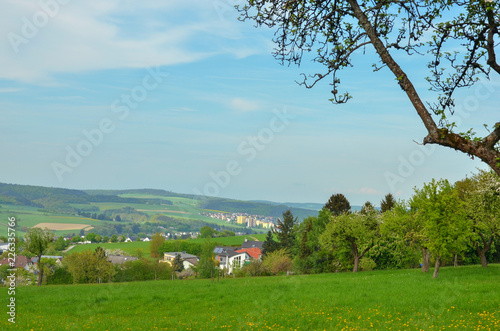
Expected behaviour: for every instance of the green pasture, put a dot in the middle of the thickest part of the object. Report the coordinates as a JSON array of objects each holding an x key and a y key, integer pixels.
[
  {"x": 463, "y": 298},
  {"x": 233, "y": 241},
  {"x": 126, "y": 247},
  {"x": 30, "y": 216}
]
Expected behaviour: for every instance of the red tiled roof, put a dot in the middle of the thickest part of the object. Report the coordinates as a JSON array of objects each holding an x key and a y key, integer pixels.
[
  {"x": 21, "y": 261},
  {"x": 254, "y": 252}
]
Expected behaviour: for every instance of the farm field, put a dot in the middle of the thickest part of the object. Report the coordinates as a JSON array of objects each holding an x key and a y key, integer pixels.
[
  {"x": 30, "y": 216},
  {"x": 133, "y": 246},
  {"x": 463, "y": 298}
]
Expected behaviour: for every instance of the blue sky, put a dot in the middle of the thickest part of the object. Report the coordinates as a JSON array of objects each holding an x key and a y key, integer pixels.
[{"x": 182, "y": 96}]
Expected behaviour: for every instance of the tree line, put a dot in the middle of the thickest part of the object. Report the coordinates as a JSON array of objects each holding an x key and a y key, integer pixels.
[{"x": 441, "y": 222}]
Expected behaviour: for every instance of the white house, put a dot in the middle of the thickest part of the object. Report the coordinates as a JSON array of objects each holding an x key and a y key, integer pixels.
[
  {"x": 229, "y": 258},
  {"x": 188, "y": 260}
]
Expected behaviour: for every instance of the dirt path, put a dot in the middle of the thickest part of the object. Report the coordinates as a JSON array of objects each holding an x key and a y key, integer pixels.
[
  {"x": 254, "y": 238},
  {"x": 67, "y": 249}
]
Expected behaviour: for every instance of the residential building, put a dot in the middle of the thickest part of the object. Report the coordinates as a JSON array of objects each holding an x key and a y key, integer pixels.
[
  {"x": 188, "y": 260},
  {"x": 119, "y": 259},
  {"x": 230, "y": 259},
  {"x": 21, "y": 261}
]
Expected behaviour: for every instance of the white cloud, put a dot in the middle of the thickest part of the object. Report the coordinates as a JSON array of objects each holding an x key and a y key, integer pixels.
[
  {"x": 10, "y": 90},
  {"x": 95, "y": 35},
  {"x": 244, "y": 105},
  {"x": 365, "y": 190}
]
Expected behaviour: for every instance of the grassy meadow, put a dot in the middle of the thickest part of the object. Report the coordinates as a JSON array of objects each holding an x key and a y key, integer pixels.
[
  {"x": 463, "y": 298},
  {"x": 31, "y": 216}
]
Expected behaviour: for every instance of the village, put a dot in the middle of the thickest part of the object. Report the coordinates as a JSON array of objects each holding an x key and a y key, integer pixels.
[{"x": 251, "y": 221}]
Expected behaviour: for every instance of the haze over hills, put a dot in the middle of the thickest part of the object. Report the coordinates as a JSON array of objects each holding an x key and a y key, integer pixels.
[
  {"x": 64, "y": 200},
  {"x": 306, "y": 205}
]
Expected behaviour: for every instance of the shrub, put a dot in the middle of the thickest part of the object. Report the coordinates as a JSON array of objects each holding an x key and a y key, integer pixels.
[
  {"x": 367, "y": 264},
  {"x": 277, "y": 262}
]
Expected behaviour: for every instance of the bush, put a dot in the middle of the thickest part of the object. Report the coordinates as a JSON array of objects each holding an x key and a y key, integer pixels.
[
  {"x": 367, "y": 264},
  {"x": 277, "y": 262},
  {"x": 254, "y": 268}
]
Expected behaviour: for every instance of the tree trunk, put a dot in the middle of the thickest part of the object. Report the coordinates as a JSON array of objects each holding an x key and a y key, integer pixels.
[
  {"x": 484, "y": 261},
  {"x": 40, "y": 271},
  {"x": 354, "y": 249},
  {"x": 356, "y": 264},
  {"x": 436, "y": 267},
  {"x": 482, "y": 252},
  {"x": 426, "y": 255},
  {"x": 455, "y": 262}
]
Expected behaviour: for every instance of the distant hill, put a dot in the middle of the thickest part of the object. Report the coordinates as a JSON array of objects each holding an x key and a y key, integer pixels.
[{"x": 60, "y": 200}]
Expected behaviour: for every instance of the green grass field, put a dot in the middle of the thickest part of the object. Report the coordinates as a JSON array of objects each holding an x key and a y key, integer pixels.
[
  {"x": 464, "y": 298},
  {"x": 30, "y": 216}
]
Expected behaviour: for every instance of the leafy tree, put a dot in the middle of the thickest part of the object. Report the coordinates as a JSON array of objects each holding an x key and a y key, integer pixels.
[
  {"x": 285, "y": 231},
  {"x": 91, "y": 237},
  {"x": 311, "y": 257},
  {"x": 206, "y": 265},
  {"x": 36, "y": 241},
  {"x": 114, "y": 238},
  {"x": 387, "y": 203},
  {"x": 49, "y": 268},
  {"x": 60, "y": 276},
  {"x": 338, "y": 204},
  {"x": 207, "y": 232},
  {"x": 228, "y": 233},
  {"x": 458, "y": 36},
  {"x": 402, "y": 235},
  {"x": 277, "y": 262},
  {"x": 481, "y": 195},
  {"x": 139, "y": 253},
  {"x": 89, "y": 267},
  {"x": 269, "y": 245},
  {"x": 155, "y": 244},
  {"x": 356, "y": 233},
  {"x": 177, "y": 264},
  {"x": 368, "y": 208},
  {"x": 60, "y": 244},
  {"x": 438, "y": 207}
]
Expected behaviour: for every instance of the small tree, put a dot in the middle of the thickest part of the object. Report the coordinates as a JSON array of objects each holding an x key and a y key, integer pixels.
[
  {"x": 338, "y": 204},
  {"x": 442, "y": 214},
  {"x": 206, "y": 265},
  {"x": 481, "y": 195},
  {"x": 285, "y": 231},
  {"x": 367, "y": 208},
  {"x": 277, "y": 262},
  {"x": 36, "y": 241},
  {"x": 155, "y": 244},
  {"x": 356, "y": 233},
  {"x": 177, "y": 264},
  {"x": 387, "y": 203},
  {"x": 207, "y": 232},
  {"x": 269, "y": 245}
]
